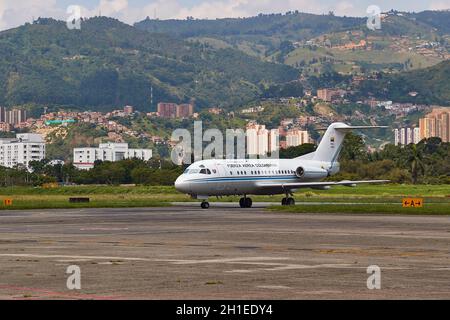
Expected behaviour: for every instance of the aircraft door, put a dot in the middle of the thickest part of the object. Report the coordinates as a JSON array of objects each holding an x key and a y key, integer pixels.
[{"x": 221, "y": 172}]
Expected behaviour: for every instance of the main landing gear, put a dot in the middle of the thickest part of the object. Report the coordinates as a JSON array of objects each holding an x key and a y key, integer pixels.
[
  {"x": 288, "y": 201},
  {"x": 245, "y": 202},
  {"x": 205, "y": 205}
]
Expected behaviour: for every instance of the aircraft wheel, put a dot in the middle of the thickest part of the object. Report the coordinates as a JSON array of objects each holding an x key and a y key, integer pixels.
[
  {"x": 205, "y": 205},
  {"x": 290, "y": 202},
  {"x": 248, "y": 202},
  {"x": 242, "y": 202},
  {"x": 284, "y": 201}
]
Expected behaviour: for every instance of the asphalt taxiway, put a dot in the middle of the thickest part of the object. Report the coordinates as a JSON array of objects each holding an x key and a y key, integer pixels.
[{"x": 183, "y": 252}]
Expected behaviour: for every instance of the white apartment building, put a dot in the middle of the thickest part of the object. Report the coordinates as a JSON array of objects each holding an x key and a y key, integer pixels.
[
  {"x": 274, "y": 140},
  {"x": 397, "y": 137},
  {"x": 261, "y": 141},
  {"x": 416, "y": 136},
  {"x": 252, "y": 140},
  {"x": 23, "y": 149},
  {"x": 405, "y": 136},
  {"x": 296, "y": 138},
  {"x": 84, "y": 158}
]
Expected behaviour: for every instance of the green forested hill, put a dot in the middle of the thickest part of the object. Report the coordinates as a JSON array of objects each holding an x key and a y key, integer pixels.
[
  {"x": 259, "y": 36},
  {"x": 293, "y": 25},
  {"x": 107, "y": 64},
  {"x": 298, "y": 25},
  {"x": 271, "y": 29},
  {"x": 437, "y": 19},
  {"x": 432, "y": 85}
]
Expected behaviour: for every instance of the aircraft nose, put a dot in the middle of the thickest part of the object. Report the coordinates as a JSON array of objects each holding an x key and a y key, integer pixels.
[{"x": 182, "y": 185}]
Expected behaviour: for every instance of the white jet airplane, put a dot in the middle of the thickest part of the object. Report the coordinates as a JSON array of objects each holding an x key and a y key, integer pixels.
[{"x": 244, "y": 177}]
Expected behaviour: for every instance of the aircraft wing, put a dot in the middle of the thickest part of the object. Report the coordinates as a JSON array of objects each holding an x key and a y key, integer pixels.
[{"x": 298, "y": 185}]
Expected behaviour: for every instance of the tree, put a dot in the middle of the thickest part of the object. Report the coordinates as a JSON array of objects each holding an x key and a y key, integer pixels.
[
  {"x": 415, "y": 161},
  {"x": 294, "y": 152},
  {"x": 353, "y": 148}
]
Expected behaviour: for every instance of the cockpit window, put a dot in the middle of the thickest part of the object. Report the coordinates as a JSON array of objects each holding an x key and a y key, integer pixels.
[{"x": 205, "y": 171}]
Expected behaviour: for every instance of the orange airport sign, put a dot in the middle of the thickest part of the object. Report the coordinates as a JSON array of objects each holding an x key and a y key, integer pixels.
[
  {"x": 412, "y": 203},
  {"x": 7, "y": 202}
]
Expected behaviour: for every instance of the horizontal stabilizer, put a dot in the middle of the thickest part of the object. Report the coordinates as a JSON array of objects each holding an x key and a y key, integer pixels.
[{"x": 350, "y": 128}]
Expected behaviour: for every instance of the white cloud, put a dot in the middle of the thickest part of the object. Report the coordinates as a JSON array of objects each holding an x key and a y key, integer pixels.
[
  {"x": 346, "y": 8},
  {"x": 14, "y": 13},
  {"x": 110, "y": 7},
  {"x": 440, "y": 5}
]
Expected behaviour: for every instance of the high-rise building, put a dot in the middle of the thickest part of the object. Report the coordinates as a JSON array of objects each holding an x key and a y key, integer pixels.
[
  {"x": 443, "y": 121},
  {"x": 436, "y": 124},
  {"x": 2, "y": 114},
  {"x": 23, "y": 149},
  {"x": 427, "y": 127},
  {"x": 416, "y": 136},
  {"x": 296, "y": 137},
  {"x": 185, "y": 110},
  {"x": 261, "y": 141},
  {"x": 405, "y": 136},
  {"x": 274, "y": 140},
  {"x": 84, "y": 158},
  {"x": 252, "y": 138},
  {"x": 396, "y": 137},
  {"x": 167, "y": 110},
  {"x": 409, "y": 135},
  {"x": 172, "y": 110},
  {"x": 15, "y": 116}
]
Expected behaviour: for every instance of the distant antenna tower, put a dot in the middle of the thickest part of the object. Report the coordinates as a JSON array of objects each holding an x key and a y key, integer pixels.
[{"x": 151, "y": 97}]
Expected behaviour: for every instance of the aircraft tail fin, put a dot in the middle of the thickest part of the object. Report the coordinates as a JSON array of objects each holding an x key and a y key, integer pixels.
[{"x": 332, "y": 141}]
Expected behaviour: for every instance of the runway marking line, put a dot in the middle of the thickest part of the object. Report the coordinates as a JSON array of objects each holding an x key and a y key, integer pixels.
[{"x": 49, "y": 293}]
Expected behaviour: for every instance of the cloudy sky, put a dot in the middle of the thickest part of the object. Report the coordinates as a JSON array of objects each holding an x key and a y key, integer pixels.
[{"x": 16, "y": 12}]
